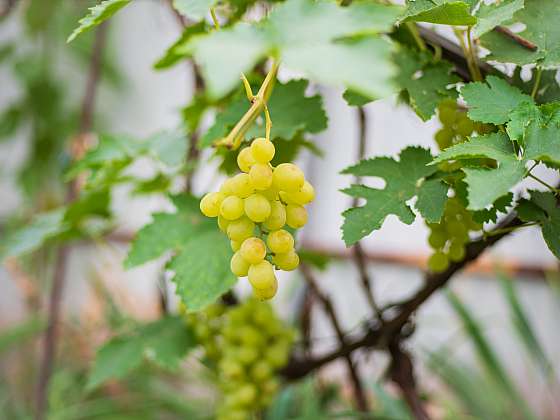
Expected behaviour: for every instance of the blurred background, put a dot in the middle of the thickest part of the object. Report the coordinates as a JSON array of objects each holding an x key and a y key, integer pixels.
[{"x": 42, "y": 83}]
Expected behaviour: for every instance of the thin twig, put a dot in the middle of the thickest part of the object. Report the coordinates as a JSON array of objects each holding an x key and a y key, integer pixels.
[
  {"x": 525, "y": 43},
  {"x": 57, "y": 287},
  {"x": 359, "y": 394}
]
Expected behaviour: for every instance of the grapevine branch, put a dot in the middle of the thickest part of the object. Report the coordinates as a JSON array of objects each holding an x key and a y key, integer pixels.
[
  {"x": 57, "y": 288},
  {"x": 359, "y": 394},
  {"x": 525, "y": 43}
]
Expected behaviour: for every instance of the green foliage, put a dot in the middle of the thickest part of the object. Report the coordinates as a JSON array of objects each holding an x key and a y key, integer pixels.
[
  {"x": 97, "y": 15},
  {"x": 439, "y": 11},
  {"x": 165, "y": 342},
  {"x": 402, "y": 178},
  {"x": 194, "y": 9},
  {"x": 491, "y": 15}
]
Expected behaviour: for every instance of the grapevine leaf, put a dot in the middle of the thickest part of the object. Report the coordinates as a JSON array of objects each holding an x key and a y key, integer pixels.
[
  {"x": 401, "y": 179},
  {"x": 486, "y": 185},
  {"x": 355, "y": 99},
  {"x": 291, "y": 110},
  {"x": 543, "y": 208},
  {"x": 439, "y": 11},
  {"x": 543, "y": 142},
  {"x": 491, "y": 215},
  {"x": 328, "y": 43},
  {"x": 493, "y": 101},
  {"x": 202, "y": 272},
  {"x": 426, "y": 83},
  {"x": 549, "y": 89},
  {"x": 97, "y": 15},
  {"x": 180, "y": 48},
  {"x": 432, "y": 196},
  {"x": 29, "y": 238},
  {"x": 491, "y": 15},
  {"x": 520, "y": 118},
  {"x": 540, "y": 18},
  {"x": 165, "y": 341},
  {"x": 194, "y": 9}
]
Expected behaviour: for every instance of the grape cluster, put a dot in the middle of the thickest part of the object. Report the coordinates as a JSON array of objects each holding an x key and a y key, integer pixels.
[
  {"x": 449, "y": 237},
  {"x": 456, "y": 124},
  {"x": 263, "y": 199},
  {"x": 247, "y": 344}
]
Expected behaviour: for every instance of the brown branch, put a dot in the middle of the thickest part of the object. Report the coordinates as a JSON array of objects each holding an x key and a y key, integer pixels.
[
  {"x": 525, "y": 43},
  {"x": 359, "y": 394},
  {"x": 7, "y": 8},
  {"x": 57, "y": 287},
  {"x": 402, "y": 373}
]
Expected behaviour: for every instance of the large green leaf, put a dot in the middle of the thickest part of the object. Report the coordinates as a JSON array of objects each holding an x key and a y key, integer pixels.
[
  {"x": 486, "y": 185},
  {"x": 165, "y": 342},
  {"x": 194, "y": 9},
  {"x": 328, "y": 43},
  {"x": 543, "y": 142},
  {"x": 493, "y": 101},
  {"x": 402, "y": 178},
  {"x": 540, "y": 18},
  {"x": 491, "y": 15},
  {"x": 446, "y": 12},
  {"x": 97, "y": 15}
]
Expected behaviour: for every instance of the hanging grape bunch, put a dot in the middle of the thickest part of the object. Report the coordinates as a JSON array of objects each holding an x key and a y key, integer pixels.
[
  {"x": 253, "y": 207},
  {"x": 448, "y": 238},
  {"x": 246, "y": 344}
]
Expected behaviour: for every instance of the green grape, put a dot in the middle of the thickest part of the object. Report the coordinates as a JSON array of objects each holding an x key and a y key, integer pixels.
[
  {"x": 261, "y": 370},
  {"x": 288, "y": 177},
  {"x": 280, "y": 241},
  {"x": 241, "y": 185},
  {"x": 253, "y": 250},
  {"x": 257, "y": 208},
  {"x": 268, "y": 292},
  {"x": 232, "y": 208},
  {"x": 246, "y": 395},
  {"x": 261, "y": 275},
  {"x": 250, "y": 336},
  {"x": 456, "y": 251},
  {"x": 210, "y": 204},
  {"x": 231, "y": 369},
  {"x": 287, "y": 262},
  {"x": 223, "y": 223},
  {"x": 245, "y": 160},
  {"x": 227, "y": 187},
  {"x": 240, "y": 229},
  {"x": 235, "y": 245},
  {"x": 437, "y": 239},
  {"x": 465, "y": 126},
  {"x": 247, "y": 355},
  {"x": 277, "y": 218},
  {"x": 457, "y": 229},
  {"x": 438, "y": 262},
  {"x": 304, "y": 196},
  {"x": 261, "y": 176},
  {"x": 239, "y": 265},
  {"x": 444, "y": 137},
  {"x": 296, "y": 216},
  {"x": 262, "y": 150},
  {"x": 447, "y": 112}
]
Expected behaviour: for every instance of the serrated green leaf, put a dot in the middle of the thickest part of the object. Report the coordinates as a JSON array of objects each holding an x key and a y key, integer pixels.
[
  {"x": 165, "y": 341},
  {"x": 291, "y": 110},
  {"x": 310, "y": 37},
  {"x": 180, "y": 48},
  {"x": 520, "y": 118},
  {"x": 493, "y": 101},
  {"x": 438, "y": 11},
  {"x": 41, "y": 228},
  {"x": 202, "y": 272},
  {"x": 427, "y": 83},
  {"x": 194, "y": 9},
  {"x": 491, "y": 15},
  {"x": 355, "y": 99},
  {"x": 542, "y": 142},
  {"x": 432, "y": 196},
  {"x": 401, "y": 177},
  {"x": 491, "y": 215},
  {"x": 540, "y": 18},
  {"x": 97, "y": 15},
  {"x": 486, "y": 185}
]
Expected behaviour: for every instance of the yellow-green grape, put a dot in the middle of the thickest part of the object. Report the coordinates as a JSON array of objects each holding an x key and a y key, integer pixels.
[
  {"x": 232, "y": 208},
  {"x": 241, "y": 229},
  {"x": 288, "y": 261},
  {"x": 286, "y": 198},
  {"x": 271, "y": 193},
  {"x": 223, "y": 223},
  {"x": 465, "y": 126},
  {"x": 296, "y": 216},
  {"x": 444, "y": 137},
  {"x": 238, "y": 265},
  {"x": 227, "y": 187},
  {"x": 447, "y": 112},
  {"x": 257, "y": 208},
  {"x": 438, "y": 262},
  {"x": 241, "y": 185},
  {"x": 261, "y": 275},
  {"x": 262, "y": 150},
  {"x": 277, "y": 218},
  {"x": 261, "y": 176},
  {"x": 253, "y": 250},
  {"x": 261, "y": 371},
  {"x": 235, "y": 245},
  {"x": 288, "y": 177},
  {"x": 268, "y": 292},
  {"x": 280, "y": 241},
  {"x": 210, "y": 204},
  {"x": 304, "y": 196},
  {"x": 245, "y": 160},
  {"x": 456, "y": 251},
  {"x": 437, "y": 238}
]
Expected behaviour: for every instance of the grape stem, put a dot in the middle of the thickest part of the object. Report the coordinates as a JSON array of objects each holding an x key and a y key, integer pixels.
[
  {"x": 546, "y": 184},
  {"x": 258, "y": 105},
  {"x": 537, "y": 82},
  {"x": 507, "y": 230}
]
